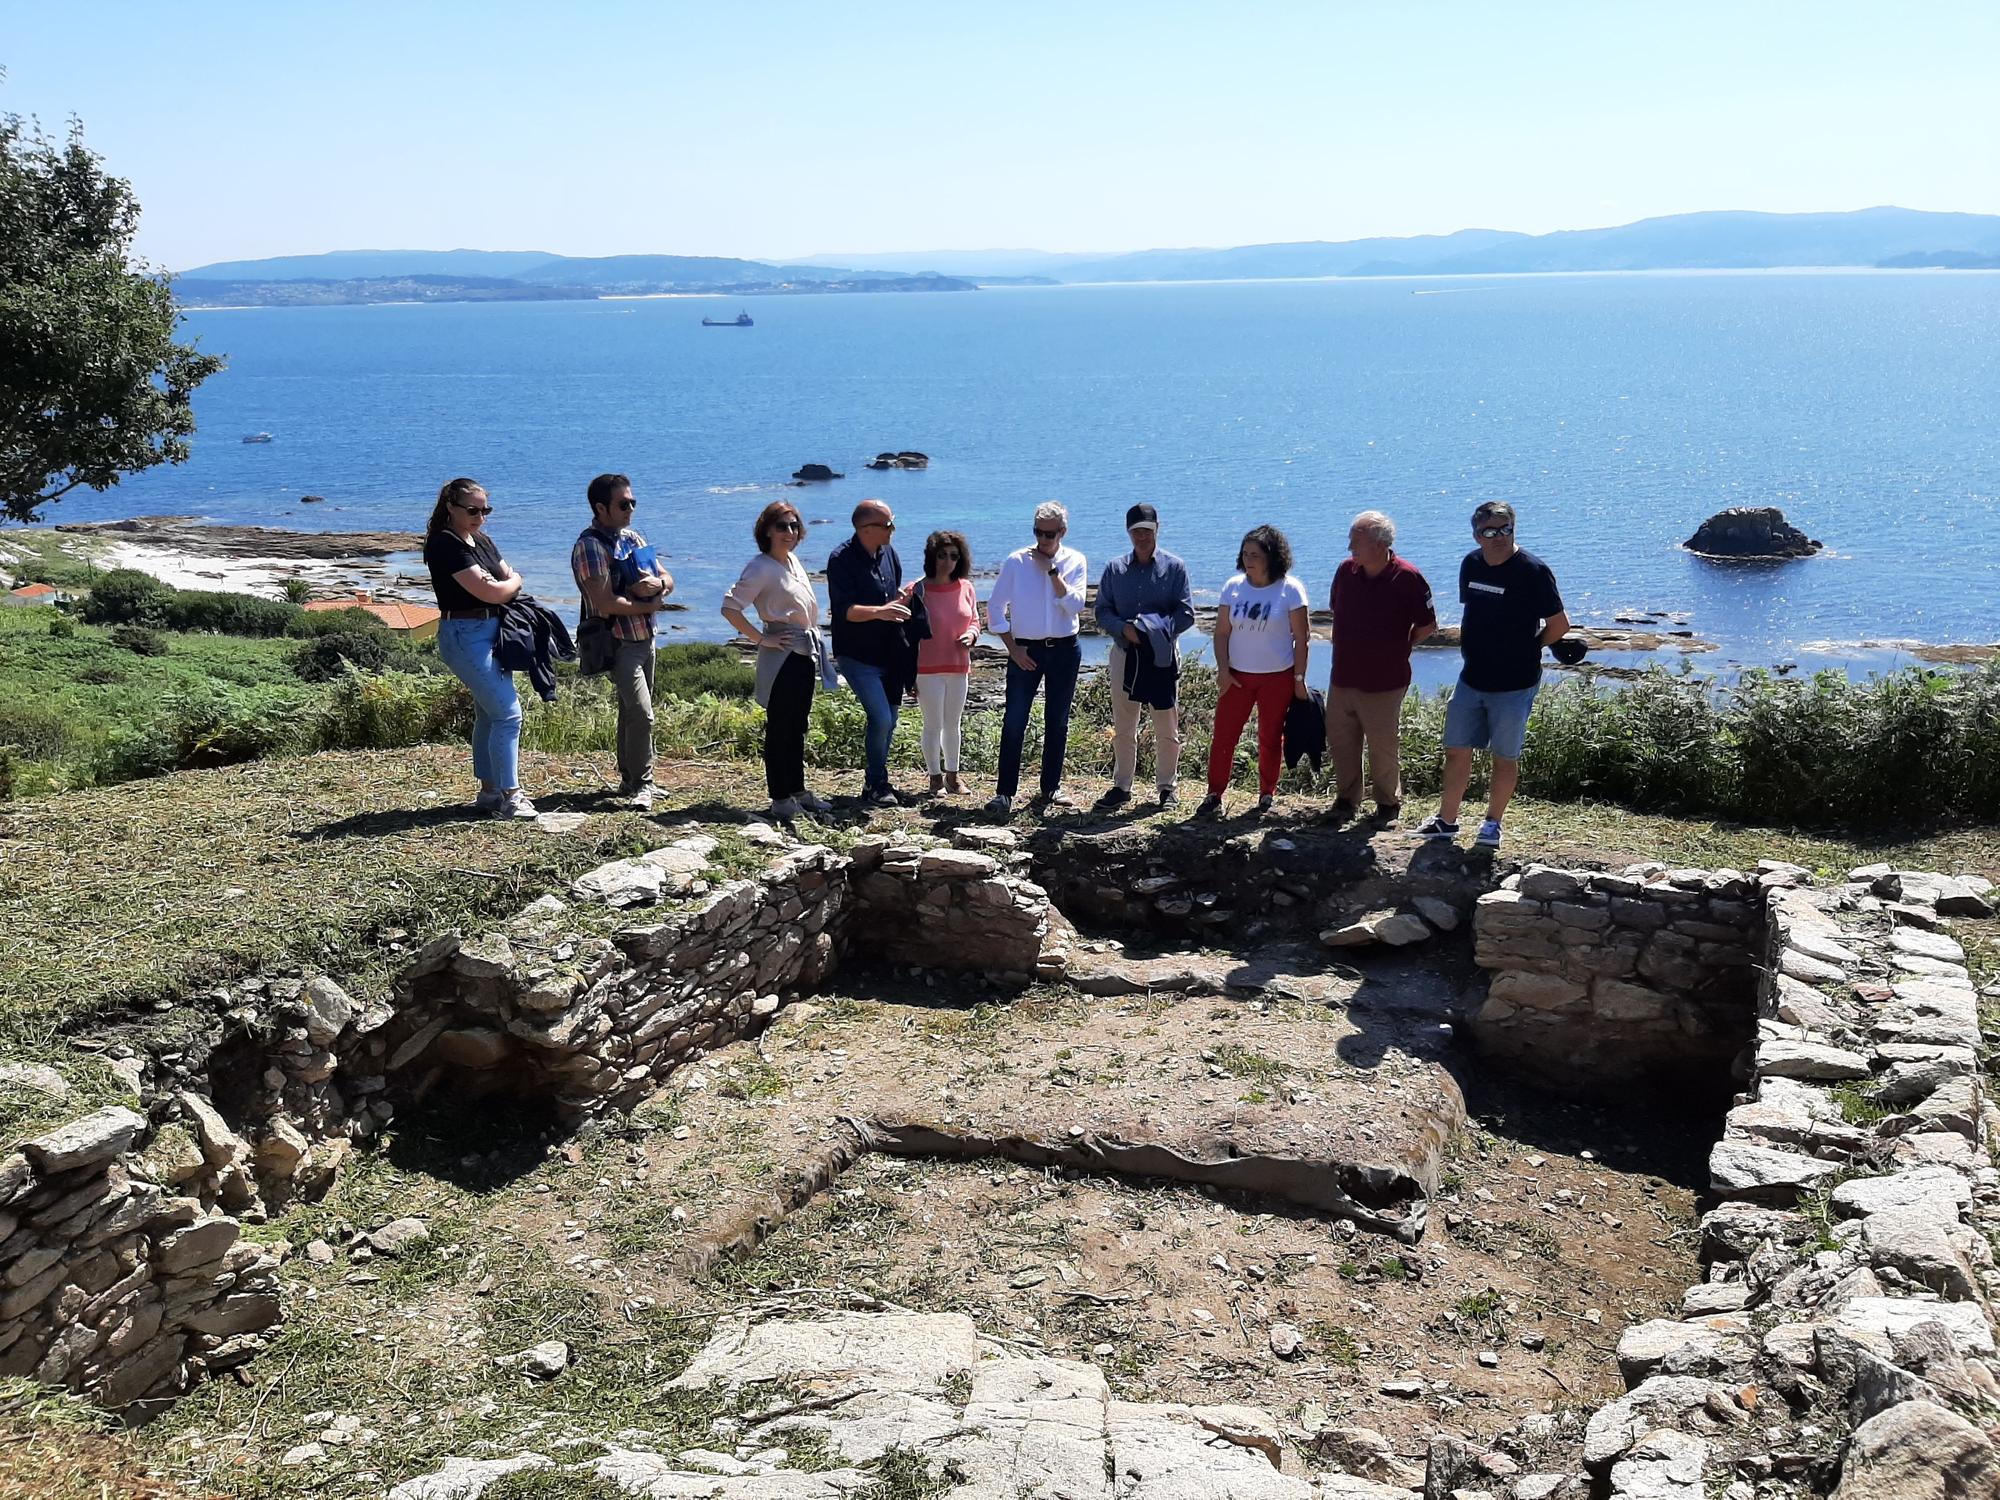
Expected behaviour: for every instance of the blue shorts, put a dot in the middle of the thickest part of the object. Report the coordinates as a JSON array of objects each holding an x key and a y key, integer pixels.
[{"x": 1478, "y": 721}]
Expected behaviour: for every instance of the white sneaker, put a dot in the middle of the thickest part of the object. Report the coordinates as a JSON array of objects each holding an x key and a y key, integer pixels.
[
  {"x": 642, "y": 799},
  {"x": 511, "y": 805}
]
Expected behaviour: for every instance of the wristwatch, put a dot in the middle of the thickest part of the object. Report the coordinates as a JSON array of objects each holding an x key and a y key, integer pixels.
[{"x": 1055, "y": 570}]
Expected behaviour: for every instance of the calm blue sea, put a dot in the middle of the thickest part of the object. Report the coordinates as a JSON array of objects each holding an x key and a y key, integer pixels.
[{"x": 1614, "y": 411}]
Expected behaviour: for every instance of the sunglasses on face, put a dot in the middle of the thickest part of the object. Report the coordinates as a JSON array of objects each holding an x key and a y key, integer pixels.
[
  {"x": 1489, "y": 533},
  {"x": 884, "y": 525},
  {"x": 624, "y": 504},
  {"x": 947, "y": 552},
  {"x": 1047, "y": 536},
  {"x": 474, "y": 510},
  {"x": 788, "y": 526}
]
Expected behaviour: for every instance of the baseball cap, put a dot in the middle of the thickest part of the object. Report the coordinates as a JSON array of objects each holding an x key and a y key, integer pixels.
[{"x": 1142, "y": 514}]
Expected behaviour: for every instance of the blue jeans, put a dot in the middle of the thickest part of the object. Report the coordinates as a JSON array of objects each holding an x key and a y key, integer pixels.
[
  {"x": 466, "y": 646},
  {"x": 1475, "y": 720},
  {"x": 870, "y": 688},
  {"x": 1058, "y": 662}
]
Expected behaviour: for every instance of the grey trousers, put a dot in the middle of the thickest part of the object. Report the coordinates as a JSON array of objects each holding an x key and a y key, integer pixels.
[{"x": 632, "y": 670}]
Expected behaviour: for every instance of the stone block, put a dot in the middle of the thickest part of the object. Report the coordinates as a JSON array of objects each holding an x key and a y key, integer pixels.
[
  {"x": 1616, "y": 1000},
  {"x": 196, "y": 1245},
  {"x": 1744, "y": 1170},
  {"x": 1937, "y": 1194},
  {"x": 328, "y": 1010},
  {"x": 1542, "y": 883},
  {"x": 1917, "y": 1450},
  {"x": 1785, "y": 1058},
  {"x": 96, "y": 1138},
  {"x": 1544, "y": 992}
]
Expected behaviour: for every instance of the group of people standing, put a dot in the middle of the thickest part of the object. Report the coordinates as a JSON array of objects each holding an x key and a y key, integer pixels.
[{"x": 891, "y": 638}]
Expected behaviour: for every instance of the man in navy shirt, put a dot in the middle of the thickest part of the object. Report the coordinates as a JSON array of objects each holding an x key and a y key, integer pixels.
[
  {"x": 1146, "y": 585},
  {"x": 864, "y": 587},
  {"x": 1512, "y": 610}
]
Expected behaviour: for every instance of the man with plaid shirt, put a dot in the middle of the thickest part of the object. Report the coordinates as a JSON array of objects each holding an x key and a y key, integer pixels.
[{"x": 623, "y": 586}]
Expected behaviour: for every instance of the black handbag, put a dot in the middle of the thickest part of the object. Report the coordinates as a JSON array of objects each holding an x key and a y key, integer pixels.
[{"x": 596, "y": 646}]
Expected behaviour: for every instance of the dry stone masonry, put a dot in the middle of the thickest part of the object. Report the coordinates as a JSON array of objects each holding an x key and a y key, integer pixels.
[
  {"x": 1603, "y": 979},
  {"x": 110, "y": 1284},
  {"x": 121, "y": 1274},
  {"x": 1841, "y": 1344}
]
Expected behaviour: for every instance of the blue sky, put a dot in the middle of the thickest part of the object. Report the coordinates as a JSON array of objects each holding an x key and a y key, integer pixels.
[{"x": 785, "y": 129}]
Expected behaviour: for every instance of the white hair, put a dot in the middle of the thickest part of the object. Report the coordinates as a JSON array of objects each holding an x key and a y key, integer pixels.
[
  {"x": 1375, "y": 524},
  {"x": 1053, "y": 510}
]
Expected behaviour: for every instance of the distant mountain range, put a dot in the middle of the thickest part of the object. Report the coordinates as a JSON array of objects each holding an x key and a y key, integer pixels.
[
  {"x": 350, "y": 276},
  {"x": 1894, "y": 237}
]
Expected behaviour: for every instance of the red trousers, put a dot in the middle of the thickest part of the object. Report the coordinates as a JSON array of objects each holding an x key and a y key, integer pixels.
[{"x": 1270, "y": 693}]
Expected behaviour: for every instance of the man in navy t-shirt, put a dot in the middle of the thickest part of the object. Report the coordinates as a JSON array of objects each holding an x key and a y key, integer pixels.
[{"x": 1512, "y": 610}]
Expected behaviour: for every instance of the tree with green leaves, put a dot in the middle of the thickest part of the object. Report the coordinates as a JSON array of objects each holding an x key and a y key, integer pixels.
[{"x": 93, "y": 385}]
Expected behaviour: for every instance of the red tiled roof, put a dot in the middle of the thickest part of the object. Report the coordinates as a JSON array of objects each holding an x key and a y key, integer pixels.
[
  {"x": 33, "y": 591},
  {"x": 395, "y": 616}
]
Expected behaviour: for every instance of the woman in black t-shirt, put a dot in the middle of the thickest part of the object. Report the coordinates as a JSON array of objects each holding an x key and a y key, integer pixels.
[{"x": 473, "y": 586}]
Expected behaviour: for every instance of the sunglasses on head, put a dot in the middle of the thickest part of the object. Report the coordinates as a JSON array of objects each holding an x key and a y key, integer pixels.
[
  {"x": 473, "y": 510},
  {"x": 1047, "y": 535}
]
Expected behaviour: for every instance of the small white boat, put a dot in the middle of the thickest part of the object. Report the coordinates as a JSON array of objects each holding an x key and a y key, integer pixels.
[{"x": 256, "y": 437}]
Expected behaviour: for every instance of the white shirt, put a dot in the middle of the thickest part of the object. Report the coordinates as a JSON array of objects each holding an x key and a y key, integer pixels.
[
  {"x": 1260, "y": 622},
  {"x": 1024, "y": 601}
]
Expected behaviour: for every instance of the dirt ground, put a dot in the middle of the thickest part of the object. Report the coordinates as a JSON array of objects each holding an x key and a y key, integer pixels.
[{"x": 1533, "y": 1241}]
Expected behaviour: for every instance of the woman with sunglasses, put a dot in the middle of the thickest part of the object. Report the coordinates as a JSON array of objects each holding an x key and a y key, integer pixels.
[
  {"x": 791, "y": 652},
  {"x": 944, "y": 657},
  {"x": 474, "y": 585}
]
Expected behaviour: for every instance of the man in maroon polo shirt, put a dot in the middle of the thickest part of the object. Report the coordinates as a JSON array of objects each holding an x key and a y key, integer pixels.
[{"x": 1381, "y": 608}]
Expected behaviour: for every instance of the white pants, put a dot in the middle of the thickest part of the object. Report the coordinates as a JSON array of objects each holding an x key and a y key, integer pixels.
[
  {"x": 1125, "y": 714},
  {"x": 941, "y": 696}
]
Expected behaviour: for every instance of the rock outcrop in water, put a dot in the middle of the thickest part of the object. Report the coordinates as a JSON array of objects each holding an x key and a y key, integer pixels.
[
  {"x": 810, "y": 473},
  {"x": 1751, "y": 533}
]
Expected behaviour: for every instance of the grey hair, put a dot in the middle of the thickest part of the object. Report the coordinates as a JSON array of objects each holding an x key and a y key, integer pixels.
[
  {"x": 1377, "y": 525},
  {"x": 1493, "y": 509},
  {"x": 1053, "y": 510}
]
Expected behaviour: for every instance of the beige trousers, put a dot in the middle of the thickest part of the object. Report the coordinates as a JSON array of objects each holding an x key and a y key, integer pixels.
[
  {"x": 1353, "y": 717},
  {"x": 1125, "y": 715}
]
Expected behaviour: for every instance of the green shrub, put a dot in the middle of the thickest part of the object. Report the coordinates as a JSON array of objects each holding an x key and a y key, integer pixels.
[
  {"x": 295, "y": 590},
  {"x": 140, "y": 640},
  {"x": 211, "y": 725},
  {"x": 307, "y": 623},
  {"x": 62, "y": 628},
  {"x": 34, "y": 730},
  {"x": 228, "y": 614},
  {"x": 689, "y": 670},
  {"x": 331, "y": 656},
  {"x": 388, "y": 711},
  {"x": 125, "y": 596}
]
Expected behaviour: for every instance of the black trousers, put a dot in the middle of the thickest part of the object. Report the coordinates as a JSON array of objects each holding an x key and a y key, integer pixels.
[{"x": 785, "y": 721}]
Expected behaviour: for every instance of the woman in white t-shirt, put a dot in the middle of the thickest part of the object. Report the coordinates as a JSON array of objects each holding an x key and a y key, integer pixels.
[
  {"x": 776, "y": 585},
  {"x": 1261, "y": 636}
]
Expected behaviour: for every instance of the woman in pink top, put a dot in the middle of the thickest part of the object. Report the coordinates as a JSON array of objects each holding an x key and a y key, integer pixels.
[{"x": 944, "y": 658}]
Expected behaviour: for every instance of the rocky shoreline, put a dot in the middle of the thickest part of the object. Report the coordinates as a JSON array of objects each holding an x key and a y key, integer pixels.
[{"x": 190, "y": 553}]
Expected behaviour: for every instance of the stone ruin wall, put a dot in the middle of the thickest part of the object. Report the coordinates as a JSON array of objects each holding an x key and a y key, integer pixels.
[
  {"x": 1849, "y": 1271},
  {"x": 1849, "y": 1260},
  {"x": 121, "y": 1271},
  {"x": 1600, "y": 979},
  {"x": 112, "y": 1284}
]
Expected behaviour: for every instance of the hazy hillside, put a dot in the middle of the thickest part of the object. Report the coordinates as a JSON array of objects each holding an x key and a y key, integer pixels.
[
  {"x": 1720, "y": 240},
  {"x": 1723, "y": 240},
  {"x": 351, "y": 265}
]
